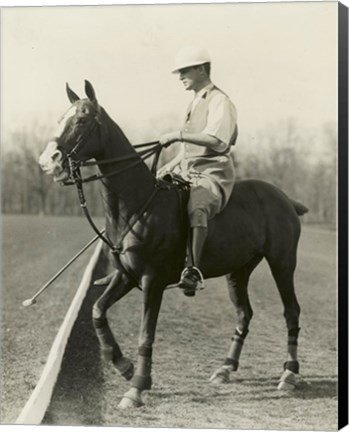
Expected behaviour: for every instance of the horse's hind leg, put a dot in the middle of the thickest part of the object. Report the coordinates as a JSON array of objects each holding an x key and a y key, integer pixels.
[
  {"x": 118, "y": 286},
  {"x": 237, "y": 286},
  {"x": 283, "y": 273}
]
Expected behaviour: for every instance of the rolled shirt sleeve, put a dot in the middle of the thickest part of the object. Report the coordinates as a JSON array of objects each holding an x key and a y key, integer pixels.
[{"x": 221, "y": 120}]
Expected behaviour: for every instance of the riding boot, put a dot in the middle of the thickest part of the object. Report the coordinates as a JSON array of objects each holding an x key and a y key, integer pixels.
[{"x": 191, "y": 278}]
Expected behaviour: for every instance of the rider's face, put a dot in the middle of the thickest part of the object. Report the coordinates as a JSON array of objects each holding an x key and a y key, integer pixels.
[{"x": 192, "y": 77}]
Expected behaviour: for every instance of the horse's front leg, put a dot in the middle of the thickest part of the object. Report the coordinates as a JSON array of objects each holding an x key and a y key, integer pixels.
[
  {"x": 118, "y": 286},
  {"x": 152, "y": 297}
]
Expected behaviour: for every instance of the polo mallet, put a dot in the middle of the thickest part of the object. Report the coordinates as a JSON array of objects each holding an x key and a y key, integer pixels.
[{"x": 32, "y": 300}]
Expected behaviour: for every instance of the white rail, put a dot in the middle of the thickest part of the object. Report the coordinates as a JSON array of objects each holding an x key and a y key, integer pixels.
[{"x": 36, "y": 406}]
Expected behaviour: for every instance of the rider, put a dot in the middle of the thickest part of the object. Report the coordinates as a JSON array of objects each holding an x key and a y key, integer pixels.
[{"x": 209, "y": 131}]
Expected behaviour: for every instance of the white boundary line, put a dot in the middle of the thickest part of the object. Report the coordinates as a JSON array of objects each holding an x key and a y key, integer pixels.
[{"x": 36, "y": 406}]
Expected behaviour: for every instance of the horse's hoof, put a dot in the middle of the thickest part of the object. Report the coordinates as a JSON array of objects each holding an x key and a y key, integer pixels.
[
  {"x": 125, "y": 367},
  {"x": 285, "y": 386},
  {"x": 131, "y": 399},
  {"x": 127, "y": 403},
  {"x": 220, "y": 376},
  {"x": 290, "y": 381},
  {"x": 219, "y": 380}
]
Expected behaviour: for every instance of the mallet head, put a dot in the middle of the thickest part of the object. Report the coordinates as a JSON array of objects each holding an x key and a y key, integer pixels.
[{"x": 29, "y": 302}]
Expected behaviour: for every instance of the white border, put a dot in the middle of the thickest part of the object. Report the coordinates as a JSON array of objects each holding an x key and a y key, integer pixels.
[{"x": 145, "y": 2}]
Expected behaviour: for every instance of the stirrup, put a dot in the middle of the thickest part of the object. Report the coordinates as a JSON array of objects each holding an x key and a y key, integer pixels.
[{"x": 200, "y": 284}]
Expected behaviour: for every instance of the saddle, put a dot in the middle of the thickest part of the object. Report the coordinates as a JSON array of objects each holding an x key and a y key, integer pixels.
[{"x": 177, "y": 181}]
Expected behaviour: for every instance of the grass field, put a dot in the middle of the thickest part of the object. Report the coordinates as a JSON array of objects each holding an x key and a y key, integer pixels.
[
  {"x": 192, "y": 339},
  {"x": 33, "y": 249}
]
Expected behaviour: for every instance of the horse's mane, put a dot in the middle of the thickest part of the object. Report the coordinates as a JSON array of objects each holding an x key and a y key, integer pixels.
[{"x": 115, "y": 128}]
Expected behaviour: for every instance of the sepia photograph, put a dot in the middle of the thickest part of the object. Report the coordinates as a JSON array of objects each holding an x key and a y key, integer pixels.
[{"x": 172, "y": 196}]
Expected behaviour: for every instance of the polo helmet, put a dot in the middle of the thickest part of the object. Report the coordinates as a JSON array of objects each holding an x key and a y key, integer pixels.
[{"x": 191, "y": 56}]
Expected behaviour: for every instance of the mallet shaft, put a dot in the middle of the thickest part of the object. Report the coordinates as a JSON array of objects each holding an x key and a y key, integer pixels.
[{"x": 47, "y": 284}]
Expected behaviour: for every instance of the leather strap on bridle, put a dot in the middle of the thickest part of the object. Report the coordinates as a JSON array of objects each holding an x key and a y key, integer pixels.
[
  {"x": 76, "y": 179},
  {"x": 137, "y": 158},
  {"x": 83, "y": 205},
  {"x": 134, "y": 158}
]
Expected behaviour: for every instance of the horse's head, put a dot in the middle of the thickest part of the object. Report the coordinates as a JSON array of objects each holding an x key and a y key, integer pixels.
[{"x": 75, "y": 138}]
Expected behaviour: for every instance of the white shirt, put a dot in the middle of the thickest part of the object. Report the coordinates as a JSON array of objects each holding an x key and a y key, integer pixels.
[{"x": 222, "y": 117}]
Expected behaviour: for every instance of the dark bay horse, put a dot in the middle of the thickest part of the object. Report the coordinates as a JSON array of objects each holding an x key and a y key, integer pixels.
[{"x": 146, "y": 233}]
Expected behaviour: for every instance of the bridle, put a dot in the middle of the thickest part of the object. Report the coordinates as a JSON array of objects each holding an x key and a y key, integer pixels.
[
  {"x": 75, "y": 177},
  {"x": 135, "y": 158}
]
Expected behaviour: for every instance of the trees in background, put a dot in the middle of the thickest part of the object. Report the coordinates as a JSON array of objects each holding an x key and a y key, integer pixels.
[
  {"x": 302, "y": 163},
  {"x": 26, "y": 189}
]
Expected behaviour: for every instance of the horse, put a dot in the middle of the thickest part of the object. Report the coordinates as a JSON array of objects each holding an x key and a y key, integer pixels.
[{"x": 146, "y": 233}]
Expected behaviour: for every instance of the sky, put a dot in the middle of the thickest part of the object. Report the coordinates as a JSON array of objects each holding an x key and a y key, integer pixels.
[{"x": 276, "y": 61}]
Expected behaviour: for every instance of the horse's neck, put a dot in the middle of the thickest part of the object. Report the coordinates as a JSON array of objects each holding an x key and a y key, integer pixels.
[{"x": 125, "y": 193}]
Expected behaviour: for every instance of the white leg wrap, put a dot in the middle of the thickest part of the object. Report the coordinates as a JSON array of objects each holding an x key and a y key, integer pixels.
[{"x": 290, "y": 381}]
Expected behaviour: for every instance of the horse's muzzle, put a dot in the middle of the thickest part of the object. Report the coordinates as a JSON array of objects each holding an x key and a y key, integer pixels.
[{"x": 51, "y": 162}]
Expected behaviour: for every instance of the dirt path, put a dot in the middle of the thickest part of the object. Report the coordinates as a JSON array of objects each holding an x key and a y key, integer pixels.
[{"x": 192, "y": 339}]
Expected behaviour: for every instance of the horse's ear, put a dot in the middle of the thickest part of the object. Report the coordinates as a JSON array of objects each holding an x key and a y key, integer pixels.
[
  {"x": 72, "y": 96},
  {"x": 89, "y": 90}
]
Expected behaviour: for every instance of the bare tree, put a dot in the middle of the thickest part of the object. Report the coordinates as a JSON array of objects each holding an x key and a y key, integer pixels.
[{"x": 286, "y": 155}]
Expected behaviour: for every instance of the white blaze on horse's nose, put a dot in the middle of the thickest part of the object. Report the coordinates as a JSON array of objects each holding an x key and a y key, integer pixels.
[
  {"x": 62, "y": 122},
  {"x": 51, "y": 157}
]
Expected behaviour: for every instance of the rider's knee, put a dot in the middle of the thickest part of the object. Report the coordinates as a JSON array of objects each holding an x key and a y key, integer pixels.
[{"x": 198, "y": 218}]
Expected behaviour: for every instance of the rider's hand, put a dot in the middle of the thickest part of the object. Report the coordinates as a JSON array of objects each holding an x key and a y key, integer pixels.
[
  {"x": 169, "y": 138},
  {"x": 161, "y": 173}
]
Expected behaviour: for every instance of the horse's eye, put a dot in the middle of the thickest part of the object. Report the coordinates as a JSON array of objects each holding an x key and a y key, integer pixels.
[{"x": 81, "y": 120}]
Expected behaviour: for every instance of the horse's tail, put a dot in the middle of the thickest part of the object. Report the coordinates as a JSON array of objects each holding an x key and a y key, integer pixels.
[{"x": 299, "y": 207}]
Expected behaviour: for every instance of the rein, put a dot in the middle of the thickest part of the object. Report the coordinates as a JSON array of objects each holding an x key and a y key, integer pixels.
[
  {"x": 137, "y": 157},
  {"x": 76, "y": 179},
  {"x": 116, "y": 248}
]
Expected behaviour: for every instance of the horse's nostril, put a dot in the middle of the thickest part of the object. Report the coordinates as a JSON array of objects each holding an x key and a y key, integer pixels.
[{"x": 57, "y": 156}]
